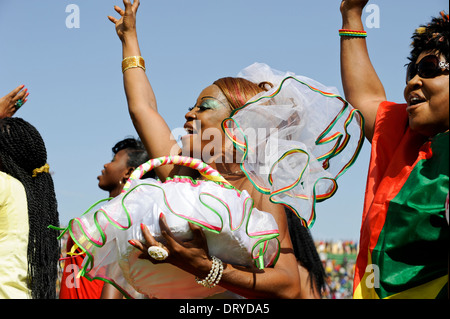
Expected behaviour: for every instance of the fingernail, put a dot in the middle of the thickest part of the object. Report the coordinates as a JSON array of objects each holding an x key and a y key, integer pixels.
[
  {"x": 161, "y": 215},
  {"x": 132, "y": 243},
  {"x": 142, "y": 226}
]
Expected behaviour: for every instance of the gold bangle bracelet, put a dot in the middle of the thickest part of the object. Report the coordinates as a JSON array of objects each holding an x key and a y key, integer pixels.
[{"x": 133, "y": 62}]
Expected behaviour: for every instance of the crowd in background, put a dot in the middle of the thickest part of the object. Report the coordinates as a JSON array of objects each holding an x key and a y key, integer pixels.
[{"x": 338, "y": 259}]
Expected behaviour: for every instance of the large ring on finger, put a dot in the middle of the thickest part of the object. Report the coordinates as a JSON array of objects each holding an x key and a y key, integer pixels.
[
  {"x": 18, "y": 104},
  {"x": 157, "y": 252}
]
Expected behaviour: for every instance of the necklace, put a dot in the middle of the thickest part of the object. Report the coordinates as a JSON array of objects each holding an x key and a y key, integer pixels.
[{"x": 233, "y": 173}]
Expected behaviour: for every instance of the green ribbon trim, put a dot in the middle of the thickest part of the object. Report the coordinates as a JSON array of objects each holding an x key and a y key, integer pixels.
[{"x": 340, "y": 144}]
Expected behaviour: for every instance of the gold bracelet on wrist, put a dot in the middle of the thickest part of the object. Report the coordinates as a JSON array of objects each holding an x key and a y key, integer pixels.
[{"x": 133, "y": 62}]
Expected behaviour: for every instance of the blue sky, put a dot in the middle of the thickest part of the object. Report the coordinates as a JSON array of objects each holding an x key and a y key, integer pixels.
[{"x": 74, "y": 75}]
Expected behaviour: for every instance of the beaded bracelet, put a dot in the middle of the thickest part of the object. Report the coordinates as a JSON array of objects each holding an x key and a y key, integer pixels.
[
  {"x": 133, "y": 62},
  {"x": 214, "y": 276},
  {"x": 352, "y": 33}
]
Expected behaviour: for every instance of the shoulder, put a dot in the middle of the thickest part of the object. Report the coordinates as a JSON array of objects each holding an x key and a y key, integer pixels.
[
  {"x": 263, "y": 203},
  {"x": 10, "y": 187},
  {"x": 7, "y": 180},
  {"x": 5, "y": 184},
  {"x": 391, "y": 124},
  {"x": 261, "y": 200},
  {"x": 390, "y": 113}
]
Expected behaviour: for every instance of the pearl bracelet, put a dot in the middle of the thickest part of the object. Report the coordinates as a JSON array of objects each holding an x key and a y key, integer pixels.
[{"x": 214, "y": 276}]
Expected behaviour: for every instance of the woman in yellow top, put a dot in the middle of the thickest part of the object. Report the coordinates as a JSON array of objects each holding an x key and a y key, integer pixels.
[{"x": 29, "y": 251}]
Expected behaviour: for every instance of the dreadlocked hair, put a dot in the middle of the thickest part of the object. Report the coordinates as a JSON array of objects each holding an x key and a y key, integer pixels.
[
  {"x": 22, "y": 150},
  {"x": 432, "y": 37}
]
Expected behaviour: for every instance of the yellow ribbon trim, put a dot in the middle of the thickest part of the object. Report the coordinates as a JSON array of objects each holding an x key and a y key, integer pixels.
[
  {"x": 42, "y": 169},
  {"x": 72, "y": 251},
  {"x": 216, "y": 178}
]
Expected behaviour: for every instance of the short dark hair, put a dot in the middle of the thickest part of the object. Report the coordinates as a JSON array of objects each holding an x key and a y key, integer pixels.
[
  {"x": 136, "y": 152},
  {"x": 432, "y": 37}
]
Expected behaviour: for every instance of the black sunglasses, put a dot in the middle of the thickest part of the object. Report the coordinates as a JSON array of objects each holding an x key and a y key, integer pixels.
[{"x": 429, "y": 67}]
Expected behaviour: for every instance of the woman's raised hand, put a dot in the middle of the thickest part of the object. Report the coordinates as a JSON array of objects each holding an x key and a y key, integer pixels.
[
  {"x": 11, "y": 102},
  {"x": 126, "y": 25},
  {"x": 350, "y": 5}
]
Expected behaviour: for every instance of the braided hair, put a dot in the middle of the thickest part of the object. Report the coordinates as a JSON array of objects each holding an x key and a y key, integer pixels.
[
  {"x": 306, "y": 252},
  {"x": 432, "y": 37},
  {"x": 22, "y": 150}
]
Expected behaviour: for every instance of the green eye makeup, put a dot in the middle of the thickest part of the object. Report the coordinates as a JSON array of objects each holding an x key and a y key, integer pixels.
[{"x": 209, "y": 102}]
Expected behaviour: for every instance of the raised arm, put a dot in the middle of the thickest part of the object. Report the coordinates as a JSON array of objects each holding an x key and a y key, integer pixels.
[
  {"x": 362, "y": 87},
  {"x": 151, "y": 127}
]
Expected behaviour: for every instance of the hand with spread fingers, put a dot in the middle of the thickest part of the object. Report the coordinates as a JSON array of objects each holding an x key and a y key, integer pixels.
[
  {"x": 127, "y": 22},
  {"x": 14, "y": 100},
  {"x": 191, "y": 256}
]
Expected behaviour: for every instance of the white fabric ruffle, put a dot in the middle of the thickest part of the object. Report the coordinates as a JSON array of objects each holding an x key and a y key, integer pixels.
[
  {"x": 236, "y": 232},
  {"x": 296, "y": 139}
]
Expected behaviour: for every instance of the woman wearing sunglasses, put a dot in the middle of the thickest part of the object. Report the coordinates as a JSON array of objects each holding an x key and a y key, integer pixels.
[{"x": 404, "y": 233}]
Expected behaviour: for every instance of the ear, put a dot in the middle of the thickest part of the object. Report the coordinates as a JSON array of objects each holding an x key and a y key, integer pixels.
[{"x": 128, "y": 172}]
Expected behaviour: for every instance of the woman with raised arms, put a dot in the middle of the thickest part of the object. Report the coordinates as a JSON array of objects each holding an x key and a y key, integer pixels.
[{"x": 290, "y": 165}]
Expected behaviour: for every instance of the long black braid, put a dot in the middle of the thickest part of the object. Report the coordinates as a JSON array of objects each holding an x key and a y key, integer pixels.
[
  {"x": 22, "y": 150},
  {"x": 305, "y": 251}
]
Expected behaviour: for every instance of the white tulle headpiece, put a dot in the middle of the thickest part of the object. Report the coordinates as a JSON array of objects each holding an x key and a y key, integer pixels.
[{"x": 296, "y": 139}]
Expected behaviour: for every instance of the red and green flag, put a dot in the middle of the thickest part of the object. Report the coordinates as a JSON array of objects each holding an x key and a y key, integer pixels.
[{"x": 404, "y": 235}]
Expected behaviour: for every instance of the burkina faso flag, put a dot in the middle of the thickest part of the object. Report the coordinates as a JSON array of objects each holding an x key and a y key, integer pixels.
[{"x": 404, "y": 240}]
